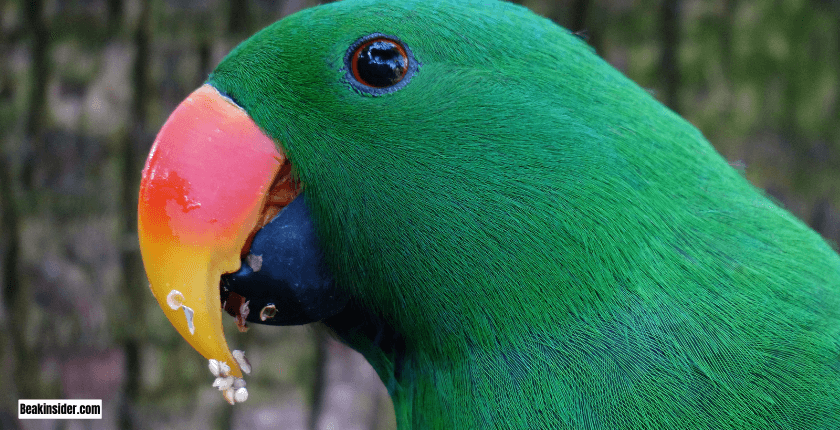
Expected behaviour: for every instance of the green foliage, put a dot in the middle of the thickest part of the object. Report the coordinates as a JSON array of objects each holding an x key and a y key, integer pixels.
[{"x": 555, "y": 248}]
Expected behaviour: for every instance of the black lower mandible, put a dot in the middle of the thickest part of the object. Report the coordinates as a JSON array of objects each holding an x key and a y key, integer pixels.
[{"x": 283, "y": 278}]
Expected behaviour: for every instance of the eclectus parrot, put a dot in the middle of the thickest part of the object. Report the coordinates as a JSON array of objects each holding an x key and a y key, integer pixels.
[{"x": 510, "y": 231}]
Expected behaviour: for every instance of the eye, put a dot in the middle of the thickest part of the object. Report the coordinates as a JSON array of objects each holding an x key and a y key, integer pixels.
[{"x": 378, "y": 64}]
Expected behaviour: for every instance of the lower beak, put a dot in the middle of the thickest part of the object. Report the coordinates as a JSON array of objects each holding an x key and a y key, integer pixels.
[{"x": 204, "y": 192}]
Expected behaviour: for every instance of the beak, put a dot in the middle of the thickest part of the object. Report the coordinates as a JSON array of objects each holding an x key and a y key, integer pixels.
[{"x": 209, "y": 183}]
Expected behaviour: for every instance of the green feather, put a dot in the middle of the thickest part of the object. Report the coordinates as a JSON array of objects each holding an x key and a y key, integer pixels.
[{"x": 547, "y": 245}]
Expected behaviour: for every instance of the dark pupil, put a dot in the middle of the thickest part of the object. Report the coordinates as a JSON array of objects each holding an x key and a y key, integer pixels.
[{"x": 381, "y": 64}]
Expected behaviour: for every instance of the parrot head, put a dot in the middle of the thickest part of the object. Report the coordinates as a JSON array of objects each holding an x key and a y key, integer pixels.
[
  {"x": 368, "y": 109},
  {"x": 491, "y": 214},
  {"x": 448, "y": 153}
]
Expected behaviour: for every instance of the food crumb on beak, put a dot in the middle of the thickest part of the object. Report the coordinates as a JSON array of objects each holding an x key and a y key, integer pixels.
[
  {"x": 214, "y": 367},
  {"x": 268, "y": 312},
  {"x": 175, "y": 300},
  {"x": 240, "y": 395},
  {"x": 255, "y": 262},
  {"x": 232, "y": 388},
  {"x": 243, "y": 363},
  {"x": 223, "y": 383},
  {"x": 237, "y": 307},
  {"x": 188, "y": 314},
  {"x": 241, "y": 316},
  {"x": 229, "y": 393}
]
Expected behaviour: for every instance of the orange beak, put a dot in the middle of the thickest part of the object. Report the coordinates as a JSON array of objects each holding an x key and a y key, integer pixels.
[{"x": 202, "y": 195}]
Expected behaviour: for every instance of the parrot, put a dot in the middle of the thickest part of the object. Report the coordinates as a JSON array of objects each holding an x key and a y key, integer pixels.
[{"x": 509, "y": 230}]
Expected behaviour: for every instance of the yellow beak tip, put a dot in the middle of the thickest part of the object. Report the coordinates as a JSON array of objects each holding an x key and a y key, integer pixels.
[{"x": 204, "y": 186}]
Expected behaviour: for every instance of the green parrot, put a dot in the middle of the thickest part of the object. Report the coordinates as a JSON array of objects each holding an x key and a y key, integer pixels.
[{"x": 510, "y": 231}]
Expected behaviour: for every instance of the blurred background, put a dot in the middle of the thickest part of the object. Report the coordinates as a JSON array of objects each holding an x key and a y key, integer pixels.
[{"x": 86, "y": 84}]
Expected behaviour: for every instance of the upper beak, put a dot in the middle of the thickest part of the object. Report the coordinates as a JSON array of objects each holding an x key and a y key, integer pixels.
[{"x": 203, "y": 194}]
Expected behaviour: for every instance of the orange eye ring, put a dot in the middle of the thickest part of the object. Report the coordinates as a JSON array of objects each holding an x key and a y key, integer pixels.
[{"x": 378, "y": 64}]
